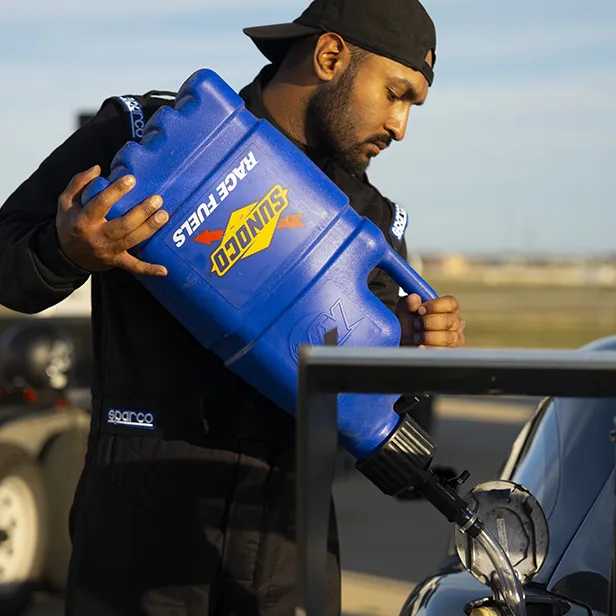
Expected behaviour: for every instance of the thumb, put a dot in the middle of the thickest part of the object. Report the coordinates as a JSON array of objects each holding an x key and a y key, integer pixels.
[
  {"x": 410, "y": 303},
  {"x": 75, "y": 187}
]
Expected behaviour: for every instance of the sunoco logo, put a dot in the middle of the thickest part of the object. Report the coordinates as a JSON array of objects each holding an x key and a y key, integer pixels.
[
  {"x": 131, "y": 419},
  {"x": 250, "y": 230}
]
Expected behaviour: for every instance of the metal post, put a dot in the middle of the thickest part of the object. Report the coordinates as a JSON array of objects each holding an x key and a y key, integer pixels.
[
  {"x": 612, "y": 587},
  {"x": 317, "y": 447}
]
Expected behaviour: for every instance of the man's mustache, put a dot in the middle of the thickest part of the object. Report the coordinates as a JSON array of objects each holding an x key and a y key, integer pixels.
[{"x": 383, "y": 140}]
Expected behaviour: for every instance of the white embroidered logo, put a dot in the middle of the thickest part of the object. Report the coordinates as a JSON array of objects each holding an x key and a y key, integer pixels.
[
  {"x": 131, "y": 419},
  {"x": 400, "y": 223}
]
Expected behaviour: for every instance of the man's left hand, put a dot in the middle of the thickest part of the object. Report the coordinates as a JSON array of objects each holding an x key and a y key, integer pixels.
[{"x": 435, "y": 323}]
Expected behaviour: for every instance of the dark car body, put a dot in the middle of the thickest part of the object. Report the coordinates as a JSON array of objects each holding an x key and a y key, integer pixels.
[{"x": 565, "y": 457}]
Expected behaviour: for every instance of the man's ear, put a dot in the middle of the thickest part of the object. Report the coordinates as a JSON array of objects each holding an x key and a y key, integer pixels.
[
  {"x": 430, "y": 58},
  {"x": 331, "y": 56}
]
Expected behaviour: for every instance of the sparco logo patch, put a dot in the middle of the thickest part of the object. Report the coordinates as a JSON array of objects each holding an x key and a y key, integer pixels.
[
  {"x": 131, "y": 419},
  {"x": 137, "y": 119},
  {"x": 400, "y": 223}
]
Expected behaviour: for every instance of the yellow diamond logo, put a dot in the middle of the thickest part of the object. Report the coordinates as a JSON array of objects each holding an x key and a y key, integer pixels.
[{"x": 250, "y": 230}]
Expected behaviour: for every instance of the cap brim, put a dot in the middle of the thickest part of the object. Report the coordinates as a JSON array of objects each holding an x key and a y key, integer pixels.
[{"x": 273, "y": 41}]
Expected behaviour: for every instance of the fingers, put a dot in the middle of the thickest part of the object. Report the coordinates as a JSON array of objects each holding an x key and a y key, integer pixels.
[
  {"x": 76, "y": 185},
  {"x": 436, "y": 323},
  {"x": 409, "y": 303},
  {"x": 441, "y": 339},
  {"x": 98, "y": 207},
  {"x": 440, "y": 305},
  {"x": 440, "y": 322},
  {"x": 405, "y": 309},
  {"x": 439, "y": 330},
  {"x": 136, "y": 266},
  {"x": 141, "y": 233},
  {"x": 95, "y": 244},
  {"x": 131, "y": 221}
]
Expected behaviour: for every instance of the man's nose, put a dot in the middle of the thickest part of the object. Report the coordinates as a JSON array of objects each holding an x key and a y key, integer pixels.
[{"x": 397, "y": 123}]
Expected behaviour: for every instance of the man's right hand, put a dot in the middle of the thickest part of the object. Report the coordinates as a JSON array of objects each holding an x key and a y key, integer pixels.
[{"x": 95, "y": 244}]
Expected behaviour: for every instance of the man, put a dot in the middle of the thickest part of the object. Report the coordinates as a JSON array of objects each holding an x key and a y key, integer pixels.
[{"x": 197, "y": 516}]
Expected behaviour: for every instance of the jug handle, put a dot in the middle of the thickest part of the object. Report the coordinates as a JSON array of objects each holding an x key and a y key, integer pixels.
[{"x": 402, "y": 273}]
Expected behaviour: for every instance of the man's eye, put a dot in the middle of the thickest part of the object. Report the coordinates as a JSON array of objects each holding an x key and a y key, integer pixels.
[{"x": 392, "y": 96}]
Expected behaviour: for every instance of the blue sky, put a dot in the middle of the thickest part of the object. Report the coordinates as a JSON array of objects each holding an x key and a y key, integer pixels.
[{"x": 514, "y": 151}]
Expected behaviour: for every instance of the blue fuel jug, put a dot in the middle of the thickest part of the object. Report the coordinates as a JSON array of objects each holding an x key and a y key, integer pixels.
[{"x": 264, "y": 252}]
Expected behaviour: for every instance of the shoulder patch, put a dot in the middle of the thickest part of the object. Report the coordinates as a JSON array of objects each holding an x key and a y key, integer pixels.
[
  {"x": 137, "y": 117},
  {"x": 401, "y": 221}
]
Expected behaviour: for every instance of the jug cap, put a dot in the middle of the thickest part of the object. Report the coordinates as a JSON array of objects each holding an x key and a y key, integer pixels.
[{"x": 401, "y": 31}]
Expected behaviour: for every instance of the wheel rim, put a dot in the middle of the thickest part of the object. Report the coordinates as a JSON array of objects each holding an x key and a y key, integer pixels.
[{"x": 18, "y": 532}]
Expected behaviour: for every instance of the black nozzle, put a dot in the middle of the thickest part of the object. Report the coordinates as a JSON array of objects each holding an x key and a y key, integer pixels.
[{"x": 403, "y": 461}]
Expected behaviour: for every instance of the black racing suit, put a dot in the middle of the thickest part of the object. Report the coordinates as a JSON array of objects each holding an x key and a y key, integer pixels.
[{"x": 197, "y": 516}]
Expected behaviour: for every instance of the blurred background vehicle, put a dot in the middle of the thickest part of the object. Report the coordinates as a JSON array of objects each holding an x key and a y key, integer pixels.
[{"x": 44, "y": 422}]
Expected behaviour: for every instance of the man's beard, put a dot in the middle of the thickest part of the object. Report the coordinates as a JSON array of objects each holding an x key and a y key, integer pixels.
[{"x": 330, "y": 122}]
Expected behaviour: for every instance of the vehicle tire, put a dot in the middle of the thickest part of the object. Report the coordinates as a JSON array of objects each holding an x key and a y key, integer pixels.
[
  {"x": 62, "y": 464},
  {"x": 23, "y": 529}
]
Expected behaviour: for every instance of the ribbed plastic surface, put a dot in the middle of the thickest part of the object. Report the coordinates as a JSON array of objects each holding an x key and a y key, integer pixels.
[
  {"x": 408, "y": 451},
  {"x": 264, "y": 252}
]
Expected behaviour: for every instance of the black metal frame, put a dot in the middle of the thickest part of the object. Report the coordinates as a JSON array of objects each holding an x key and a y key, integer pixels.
[{"x": 327, "y": 371}]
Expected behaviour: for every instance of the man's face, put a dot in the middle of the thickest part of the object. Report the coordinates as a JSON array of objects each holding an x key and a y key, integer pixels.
[{"x": 359, "y": 114}]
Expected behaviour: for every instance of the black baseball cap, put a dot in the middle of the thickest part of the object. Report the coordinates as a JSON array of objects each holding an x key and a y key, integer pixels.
[{"x": 400, "y": 30}]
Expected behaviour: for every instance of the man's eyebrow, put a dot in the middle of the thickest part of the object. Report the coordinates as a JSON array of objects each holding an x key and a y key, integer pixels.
[{"x": 408, "y": 87}]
